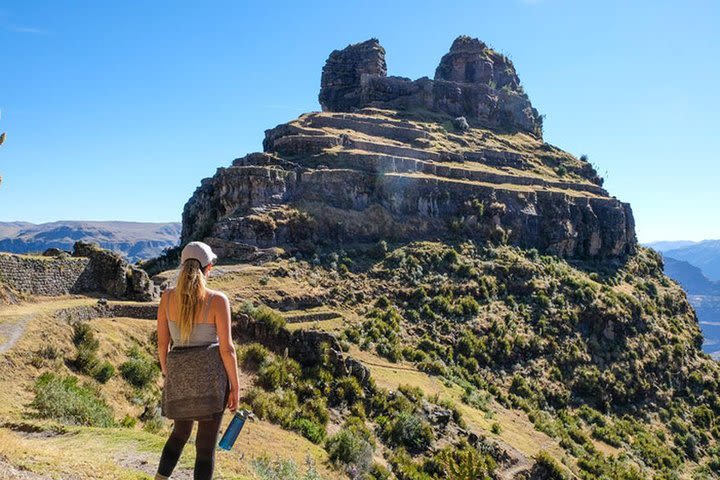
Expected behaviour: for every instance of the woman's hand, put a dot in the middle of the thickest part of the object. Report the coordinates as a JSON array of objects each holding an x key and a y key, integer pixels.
[{"x": 233, "y": 399}]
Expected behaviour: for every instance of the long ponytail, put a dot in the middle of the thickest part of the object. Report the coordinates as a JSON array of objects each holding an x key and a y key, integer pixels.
[{"x": 190, "y": 292}]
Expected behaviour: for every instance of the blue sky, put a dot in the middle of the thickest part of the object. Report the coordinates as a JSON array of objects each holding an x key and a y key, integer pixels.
[{"x": 116, "y": 110}]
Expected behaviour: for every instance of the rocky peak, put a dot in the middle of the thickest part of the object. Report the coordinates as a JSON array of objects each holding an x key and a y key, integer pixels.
[
  {"x": 391, "y": 159},
  {"x": 472, "y": 81},
  {"x": 344, "y": 71},
  {"x": 471, "y": 61}
]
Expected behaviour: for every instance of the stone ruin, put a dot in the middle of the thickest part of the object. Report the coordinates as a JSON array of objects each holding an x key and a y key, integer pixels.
[
  {"x": 88, "y": 270},
  {"x": 388, "y": 158}
]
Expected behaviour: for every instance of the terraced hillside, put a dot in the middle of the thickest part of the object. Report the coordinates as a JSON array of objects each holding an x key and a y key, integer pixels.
[{"x": 369, "y": 173}]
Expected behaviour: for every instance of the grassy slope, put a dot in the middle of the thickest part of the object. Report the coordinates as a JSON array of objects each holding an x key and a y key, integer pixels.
[
  {"x": 108, "y": 453},
  {"x": 298, "y": 287}
]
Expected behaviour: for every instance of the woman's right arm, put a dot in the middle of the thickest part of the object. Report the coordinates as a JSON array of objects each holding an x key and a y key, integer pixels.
[{"x": 227, "y": 348}]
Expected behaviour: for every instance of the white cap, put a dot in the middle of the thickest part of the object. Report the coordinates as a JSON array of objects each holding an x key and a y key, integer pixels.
[{"x": 199, "y": 251}]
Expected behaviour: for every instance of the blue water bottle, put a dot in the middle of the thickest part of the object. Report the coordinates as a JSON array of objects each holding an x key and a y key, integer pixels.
[{"x": 233, "y": 429}]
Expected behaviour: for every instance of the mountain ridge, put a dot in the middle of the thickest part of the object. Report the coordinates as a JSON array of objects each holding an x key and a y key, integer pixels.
[{"x": 134, "y": 240}]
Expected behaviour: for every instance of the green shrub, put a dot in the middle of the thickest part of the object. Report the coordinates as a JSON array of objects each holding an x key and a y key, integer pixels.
[
  {"x": 462, "y": 463},
  {"x": 267, "y": 316},
  {"x": 277, "y": 407},
  {"x": 252, "y": 356},
  {"x": 128, "y": 421},
  {"x": 496, "y": 428},
  {"x": 378, "y": 472},
  {"x": 348, "y": 448},
  {"x": 281, "y": 372},
  {"x": 86, "y": 359},
  {"x": 283, "y": 469},
  {"x": 346, "y": 390},
  {"x": 62, "y": 399},
  {"x": 433, "y": 367},
  {"x": 405, "y": 469},
  {"x": 546, "y": 467},
  {"x": 309, "y": 429},
  {"x": 408, "y": 430},
  {"x": 140, "y": 369},
  {"x": 84, "y": 335},
  {"x": 103, "y": 371},
  {"x": 315, "y": 410}
]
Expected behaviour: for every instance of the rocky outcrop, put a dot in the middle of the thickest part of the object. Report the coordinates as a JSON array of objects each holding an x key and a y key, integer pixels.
[
  {"x": 109, "y": 273},
  {"x": 370, "y": 174},
  {"x": 472, "y": 81}
]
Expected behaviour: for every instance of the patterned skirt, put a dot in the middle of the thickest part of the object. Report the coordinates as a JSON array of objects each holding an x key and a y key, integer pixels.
[{"x": 196, "y": 385}]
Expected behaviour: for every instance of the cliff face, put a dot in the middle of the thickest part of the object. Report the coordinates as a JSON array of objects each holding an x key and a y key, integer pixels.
[{"x": 389, "y": 159}]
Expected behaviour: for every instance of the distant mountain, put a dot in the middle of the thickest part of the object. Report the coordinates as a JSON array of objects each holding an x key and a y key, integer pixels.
[
  {"x": 666, "y": 245},
  {"x": 690, "y": 277},
  {"x": 134, "y": 240},
  {"x": 703, "y": 294},
  {"x": 705, "y": 255}
]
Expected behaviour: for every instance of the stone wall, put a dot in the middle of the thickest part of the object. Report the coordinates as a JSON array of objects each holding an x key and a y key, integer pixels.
[
  {"x": 106, "y": 310},
  {"x": 43, "y": 275},
  {"x": 90, "y": 269}
]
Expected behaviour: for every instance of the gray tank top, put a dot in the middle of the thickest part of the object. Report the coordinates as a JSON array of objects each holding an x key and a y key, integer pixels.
[{"x": 201, "y": 334}]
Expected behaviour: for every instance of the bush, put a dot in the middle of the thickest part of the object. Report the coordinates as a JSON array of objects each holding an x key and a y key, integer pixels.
[
  {"x": 283, "y": 469},
  {"x": 309, "y": 429},
  {"x": 463, "y": 463},
  {"x": 378, "y": 472},
  {"x": 547, "y": 467},
  {"x": 252, "y": 356},
  {"x": 62, "y": 399},
  {"x": 265, "y": 315},
  {"x": 83, "y": 335},
  {"x": 86, "y": 359},
  {"x": 140, "y": 370},
  {"x": 346, "y": 390},
  {"x": 408, "y": 430},
  {"x": 433, "y": 367},
  {"x": 348, "y": 448},
  {"x": 281, "y": 372},
  {"x": 103, "y": 372},
  {"x": 277, "y": 407},
  {"x": 316, "y": 411}
]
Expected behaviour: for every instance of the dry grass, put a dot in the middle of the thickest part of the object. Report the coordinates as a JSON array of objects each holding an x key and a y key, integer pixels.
[{"x": 109, "y": 453}]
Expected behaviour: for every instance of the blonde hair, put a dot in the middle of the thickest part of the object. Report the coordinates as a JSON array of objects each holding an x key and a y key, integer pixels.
[{"x": 190, "y": 292}]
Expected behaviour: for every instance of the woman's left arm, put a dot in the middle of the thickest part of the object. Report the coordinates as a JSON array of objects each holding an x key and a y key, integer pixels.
[{"x": 163, "y": 332}]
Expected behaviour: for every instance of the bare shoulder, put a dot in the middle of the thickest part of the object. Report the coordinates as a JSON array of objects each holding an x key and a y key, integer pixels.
[
  {"x": 165, "y": 295},
  {"x": 219, "y": 298}
]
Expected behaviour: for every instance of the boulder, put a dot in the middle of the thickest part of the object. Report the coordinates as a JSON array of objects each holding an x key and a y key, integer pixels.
[{"x": 109, "y": 273}]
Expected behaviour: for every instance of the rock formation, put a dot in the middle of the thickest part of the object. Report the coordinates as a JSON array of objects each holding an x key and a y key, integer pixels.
[
  {"x": 472, "y": 80},
  {"x": 389, "y": 158},
  {"x": 111, "y": 274}
]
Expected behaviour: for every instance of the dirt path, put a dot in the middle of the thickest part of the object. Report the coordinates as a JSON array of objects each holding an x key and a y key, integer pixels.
[
  {"x": 8, "y": 472},
  {"x": 11, "y": 329},
  {"x": 148, "y": 464}
]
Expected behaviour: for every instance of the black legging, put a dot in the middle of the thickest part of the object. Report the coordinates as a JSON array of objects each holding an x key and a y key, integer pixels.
[{"x": 205, "y": 441}]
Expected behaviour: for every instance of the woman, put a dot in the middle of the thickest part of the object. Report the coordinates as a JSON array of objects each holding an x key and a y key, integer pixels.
[{"x": 197, "y": 357}]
